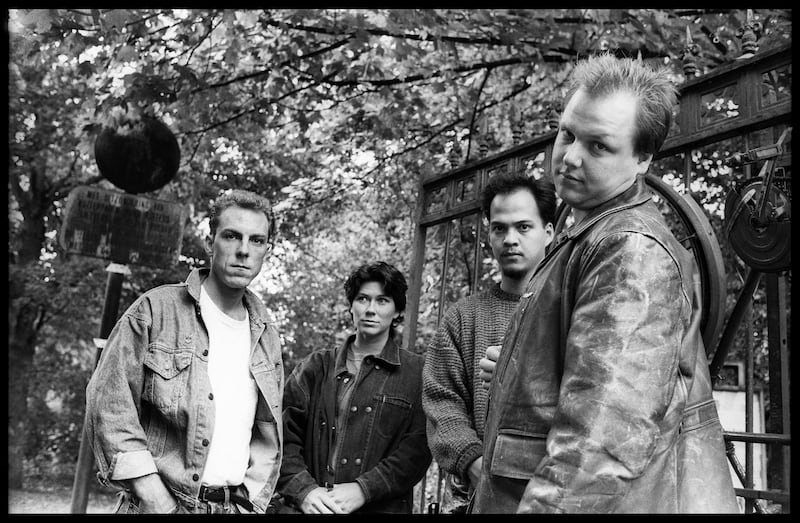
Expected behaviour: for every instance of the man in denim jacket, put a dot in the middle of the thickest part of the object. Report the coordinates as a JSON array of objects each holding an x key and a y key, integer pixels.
[
  {"x": 354, "y": 425},
  {"x": 184, "y": 409}
]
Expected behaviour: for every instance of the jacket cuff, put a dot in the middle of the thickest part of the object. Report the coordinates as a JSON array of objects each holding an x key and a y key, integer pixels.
[
  {"x": 374, "y": 485},
  {"x": 127, "y": 465},
  {"x": 470, "y": 454},
  {"x": 298, "y": 487}
]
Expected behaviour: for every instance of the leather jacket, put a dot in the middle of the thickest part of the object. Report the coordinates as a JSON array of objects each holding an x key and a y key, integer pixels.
[
  {"x": 589, "y": 403},
  {"x": 384, "y": 447}
]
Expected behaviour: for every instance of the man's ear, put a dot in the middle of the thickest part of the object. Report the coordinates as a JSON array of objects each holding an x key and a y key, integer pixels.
[
  {"x": 209, "y": 243},
  {"x": 549, "y": 234}
]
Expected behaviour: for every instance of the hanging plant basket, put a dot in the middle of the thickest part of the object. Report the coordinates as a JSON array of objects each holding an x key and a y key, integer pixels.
[{"x": 136, "y": 153}]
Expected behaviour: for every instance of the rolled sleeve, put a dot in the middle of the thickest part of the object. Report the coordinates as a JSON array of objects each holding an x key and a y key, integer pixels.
[
  {"x": 113, "y": 402},
  {"x": 127, "y": 465}
]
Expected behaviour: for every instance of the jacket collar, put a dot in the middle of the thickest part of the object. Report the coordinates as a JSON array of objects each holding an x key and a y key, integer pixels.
[
  {"x": 255, "y": 308},
  {"x": 633, "y": 196},
  {"x": 389, "y": 355}
]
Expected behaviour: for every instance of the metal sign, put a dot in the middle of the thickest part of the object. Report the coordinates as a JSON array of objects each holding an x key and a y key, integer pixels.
[{"x": 123, "y": 228}]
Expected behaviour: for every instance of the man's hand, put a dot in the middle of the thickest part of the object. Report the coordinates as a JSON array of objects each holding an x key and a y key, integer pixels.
[
  {"x": 487, "y": 365},
  {"x": 154, "y": 496},
  {"x": 320, "y": 501},
  {"x": 348, "y": 496},
  {"x": 474, "y": 471}
]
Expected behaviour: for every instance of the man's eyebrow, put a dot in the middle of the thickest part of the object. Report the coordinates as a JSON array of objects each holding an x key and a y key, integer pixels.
[{"x": 237, "y": 231}]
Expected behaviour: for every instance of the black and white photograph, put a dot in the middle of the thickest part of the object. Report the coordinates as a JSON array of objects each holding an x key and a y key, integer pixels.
[{"x": 440, "y": 261}]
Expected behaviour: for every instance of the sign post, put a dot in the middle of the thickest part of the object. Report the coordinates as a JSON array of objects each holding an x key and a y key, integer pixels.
[
  {"x": 83, "y": 469},
  {"x": 125, "y": 229}
]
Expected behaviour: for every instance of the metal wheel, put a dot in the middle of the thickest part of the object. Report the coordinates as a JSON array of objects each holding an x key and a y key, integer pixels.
[{"x": 693, "y": 230}]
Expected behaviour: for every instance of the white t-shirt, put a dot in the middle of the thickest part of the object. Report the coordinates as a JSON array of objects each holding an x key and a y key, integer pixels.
[{"x": 235, "y": 395}]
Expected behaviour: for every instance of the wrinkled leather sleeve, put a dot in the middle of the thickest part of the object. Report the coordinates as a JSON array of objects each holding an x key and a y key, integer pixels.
[{"x": 620, "y": 364}]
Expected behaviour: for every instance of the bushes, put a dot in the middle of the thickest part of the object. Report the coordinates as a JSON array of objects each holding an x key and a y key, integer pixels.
[{"x": 56, "y": 404}]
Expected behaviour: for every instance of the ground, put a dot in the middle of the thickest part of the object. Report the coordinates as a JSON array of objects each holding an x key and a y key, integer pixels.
[{"x": 56, "y": 500}]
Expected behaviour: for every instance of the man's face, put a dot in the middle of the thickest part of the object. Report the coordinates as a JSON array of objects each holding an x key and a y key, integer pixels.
[
  {"x": 239, "y": 247},
  {"x": 372, "y": 310},
  {"x": 517, "y": 234},
  {"x": 593, "y": 155}
]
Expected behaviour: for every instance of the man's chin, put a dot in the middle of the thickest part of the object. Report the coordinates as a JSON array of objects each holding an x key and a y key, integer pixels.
[
  {"x": 238, "y": 282},
  {"x": 514, "y": 273}
]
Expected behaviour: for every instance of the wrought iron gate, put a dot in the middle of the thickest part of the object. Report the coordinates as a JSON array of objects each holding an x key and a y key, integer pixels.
[{"x": 734, "y": 119}]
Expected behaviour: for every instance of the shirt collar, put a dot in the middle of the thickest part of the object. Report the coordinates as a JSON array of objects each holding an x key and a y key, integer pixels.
[
  {"x": 389, "y": 355},
  {"x": 255, "y": 308}
]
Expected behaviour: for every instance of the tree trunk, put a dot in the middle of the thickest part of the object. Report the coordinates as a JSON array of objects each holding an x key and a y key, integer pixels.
[
  {"x": 21, "y": 344},
  {"x": 23, "y": 318}
]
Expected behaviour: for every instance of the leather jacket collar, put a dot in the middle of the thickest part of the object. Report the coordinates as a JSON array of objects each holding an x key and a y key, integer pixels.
[{"x": 633, "y": 196}]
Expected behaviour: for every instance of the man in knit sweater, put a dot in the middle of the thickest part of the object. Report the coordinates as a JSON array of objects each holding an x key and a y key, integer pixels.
[{"x": 521, "y": 211}]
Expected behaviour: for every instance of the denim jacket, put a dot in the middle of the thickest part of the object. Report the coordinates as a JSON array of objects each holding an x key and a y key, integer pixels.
[
  {"x": 149, "y": 405},
  {"x": 385, "y": 447}
]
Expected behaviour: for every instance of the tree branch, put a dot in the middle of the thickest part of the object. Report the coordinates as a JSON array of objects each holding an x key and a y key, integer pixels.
[
  {"x": 434, "y": 74},
  {"x": 475, "y": 112},
  {"x": 285, "y": 63},
  {"x": 492, "y": 41},
  {"x": 261, "y": 103}
]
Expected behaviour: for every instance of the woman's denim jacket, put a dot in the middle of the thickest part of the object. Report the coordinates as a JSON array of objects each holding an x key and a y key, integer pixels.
[
  {"x": 149, "y": 405},
  {"x": 385, "y": 447}
]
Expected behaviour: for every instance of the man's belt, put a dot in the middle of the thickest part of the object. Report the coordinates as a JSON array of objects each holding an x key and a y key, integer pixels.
[{"x": 223, "y": 494}]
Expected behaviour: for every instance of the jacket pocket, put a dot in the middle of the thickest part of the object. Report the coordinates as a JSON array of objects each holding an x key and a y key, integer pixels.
[
  {"x": 166, "y": 374},
  {"x": 699, "y": 415},
  {"x": 516, "y": 454},
  {"x": 392, "y": 415}
]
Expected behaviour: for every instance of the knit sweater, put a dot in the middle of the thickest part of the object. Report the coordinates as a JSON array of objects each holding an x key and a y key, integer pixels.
[{"x": 452, "y": 395}]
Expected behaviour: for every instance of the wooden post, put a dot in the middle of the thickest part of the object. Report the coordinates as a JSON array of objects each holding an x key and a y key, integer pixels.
[{"x": 85, "y": 465}]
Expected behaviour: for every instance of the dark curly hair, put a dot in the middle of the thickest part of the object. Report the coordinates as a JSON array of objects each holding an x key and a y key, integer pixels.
[
  {"x": 542, "y": 189},
  {"x": 393, "y": 281}
]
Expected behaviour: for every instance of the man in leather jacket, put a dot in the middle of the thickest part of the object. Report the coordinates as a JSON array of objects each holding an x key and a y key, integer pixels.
[{"x": 601, "y": 397}]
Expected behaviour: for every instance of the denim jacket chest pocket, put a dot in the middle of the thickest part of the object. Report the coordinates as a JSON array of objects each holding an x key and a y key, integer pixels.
[
  {"x": 166, "y": 374},
  {"x": 392, "y": 414}
]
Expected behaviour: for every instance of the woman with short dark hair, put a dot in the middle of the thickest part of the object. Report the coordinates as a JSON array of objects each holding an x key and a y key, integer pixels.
[{"x": 354, "y": 427}]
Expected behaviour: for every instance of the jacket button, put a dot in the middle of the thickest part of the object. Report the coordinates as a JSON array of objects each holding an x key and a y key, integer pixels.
[
  {"x": 377, "y": 367},
  {"x": 358, "y": 461},
  {"x": 205, "y": 352},
  {"x": 205, "y": 443},
  {"x": 195, "y": 477},
  {"x": 353, "y": 409},
  {"x": 211, "y": 395},
  {"x": 344, "y": 461},
  {"x": 368, "y": 409}
]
